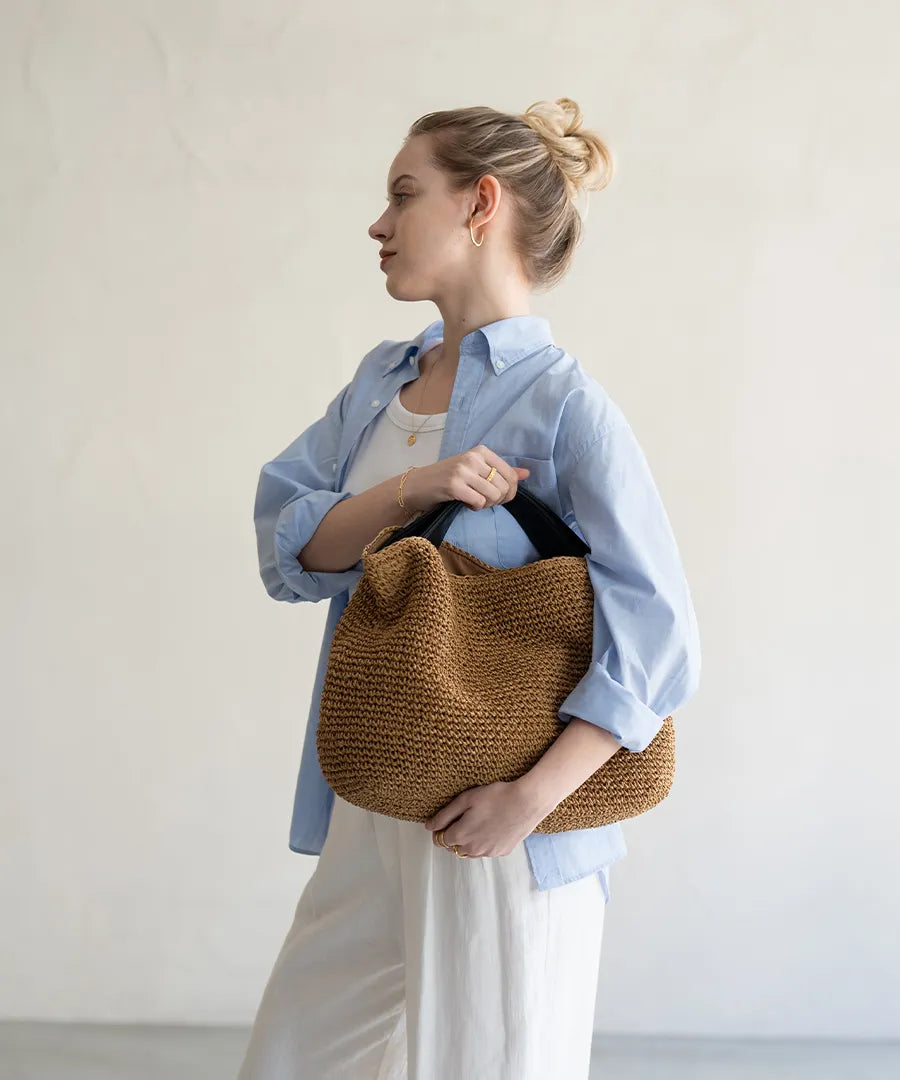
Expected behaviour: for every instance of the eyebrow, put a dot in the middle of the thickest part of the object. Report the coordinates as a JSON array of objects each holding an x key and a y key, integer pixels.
[{"x": 402, "y": 176}]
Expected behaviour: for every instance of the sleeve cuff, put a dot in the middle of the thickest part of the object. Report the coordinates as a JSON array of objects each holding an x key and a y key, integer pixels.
[
  {"x": 600, "y": 700},
  {"x": 294, "y": 528}
]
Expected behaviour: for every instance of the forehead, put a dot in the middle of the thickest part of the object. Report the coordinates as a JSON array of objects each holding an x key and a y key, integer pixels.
[{"x": 410, "y": 162}]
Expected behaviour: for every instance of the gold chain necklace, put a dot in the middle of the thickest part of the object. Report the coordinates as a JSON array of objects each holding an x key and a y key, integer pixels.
[{"x": 412, "y": 437}]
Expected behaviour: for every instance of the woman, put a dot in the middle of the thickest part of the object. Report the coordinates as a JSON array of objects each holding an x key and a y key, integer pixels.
[{"x": 468, "y": 948}]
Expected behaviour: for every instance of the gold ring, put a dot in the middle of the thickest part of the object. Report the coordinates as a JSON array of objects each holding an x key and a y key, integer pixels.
[
  {"x": 492, "y": 473},
  {"x": 439, "y": 836}
]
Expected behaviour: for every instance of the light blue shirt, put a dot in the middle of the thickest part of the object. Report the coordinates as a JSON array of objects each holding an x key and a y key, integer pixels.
[{"x": 532, "y": 403}]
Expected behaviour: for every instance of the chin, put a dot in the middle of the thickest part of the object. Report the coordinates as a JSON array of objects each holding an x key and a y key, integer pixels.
[{"x": 401, "y": 292}]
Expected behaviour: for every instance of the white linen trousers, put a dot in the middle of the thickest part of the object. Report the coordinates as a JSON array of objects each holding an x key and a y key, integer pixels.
[{"x": 405, "y": 962}]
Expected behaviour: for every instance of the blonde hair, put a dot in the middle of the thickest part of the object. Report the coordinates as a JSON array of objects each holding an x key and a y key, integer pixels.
[{"x": 543, "y": 158}]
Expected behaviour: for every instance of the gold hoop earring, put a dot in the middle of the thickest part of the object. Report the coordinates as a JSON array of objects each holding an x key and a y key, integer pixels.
[{"x": 477, "y": 243}]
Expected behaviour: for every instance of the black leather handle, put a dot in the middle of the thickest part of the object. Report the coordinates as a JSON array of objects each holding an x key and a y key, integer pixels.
[{"x": 548, "y": 532}]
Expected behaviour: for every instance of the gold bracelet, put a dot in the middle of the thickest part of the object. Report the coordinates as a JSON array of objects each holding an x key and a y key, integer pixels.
[{"x": 400, "y": 492}]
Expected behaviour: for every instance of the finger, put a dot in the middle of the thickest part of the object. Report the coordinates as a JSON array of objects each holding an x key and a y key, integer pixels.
[
  {"x": 492, "y": 490},
  {"x": 508, "y": 473},
  {"x": 447, "y": 814}
]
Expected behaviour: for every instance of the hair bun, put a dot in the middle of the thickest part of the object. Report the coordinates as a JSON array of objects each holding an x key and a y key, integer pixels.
[{"x": 583, "y": 157}]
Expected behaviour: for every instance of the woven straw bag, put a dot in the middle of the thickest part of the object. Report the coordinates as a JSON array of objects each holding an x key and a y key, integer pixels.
[{"x": 446, "y": 673}]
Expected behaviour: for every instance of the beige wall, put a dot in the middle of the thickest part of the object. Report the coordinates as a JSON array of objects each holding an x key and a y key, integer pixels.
[{"x": 187, "y": 280}]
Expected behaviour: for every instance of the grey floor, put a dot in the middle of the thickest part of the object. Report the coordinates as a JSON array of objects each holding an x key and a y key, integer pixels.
[{"x": 40, "y": 1051}]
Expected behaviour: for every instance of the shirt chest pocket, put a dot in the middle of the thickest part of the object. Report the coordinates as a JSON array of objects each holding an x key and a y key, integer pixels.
[
  {"x": 493, "y": 534},
  {"x": 514, "y": 548}
]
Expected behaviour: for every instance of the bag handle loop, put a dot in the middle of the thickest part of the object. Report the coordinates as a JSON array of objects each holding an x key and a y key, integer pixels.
[{"x": 548, "y": 532}]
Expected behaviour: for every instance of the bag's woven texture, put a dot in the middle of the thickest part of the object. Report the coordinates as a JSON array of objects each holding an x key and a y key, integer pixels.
[{"x": 446, "y": 673}]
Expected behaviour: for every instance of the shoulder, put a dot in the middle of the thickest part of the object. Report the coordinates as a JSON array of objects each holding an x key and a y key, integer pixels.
[{"x": 587, "y": 411}]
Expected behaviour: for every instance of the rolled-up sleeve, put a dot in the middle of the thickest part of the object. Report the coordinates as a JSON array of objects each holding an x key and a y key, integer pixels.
[
  {"x": 295, "y": 491},
  {"x": 645, "y": 661}
]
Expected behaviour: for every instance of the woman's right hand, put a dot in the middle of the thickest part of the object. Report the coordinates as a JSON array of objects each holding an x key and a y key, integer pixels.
[{"x": 463, "y": 477}]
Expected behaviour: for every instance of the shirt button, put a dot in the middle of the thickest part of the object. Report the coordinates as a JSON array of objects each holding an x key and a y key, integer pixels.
[
  {"x": 412, "y": 359},
  {"x": 499, "y": 363},
  {"x": 375, "y": 402},
  {"x": 334, "y": 467}
]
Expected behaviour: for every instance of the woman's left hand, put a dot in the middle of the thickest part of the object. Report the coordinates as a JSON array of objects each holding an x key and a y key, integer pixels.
[{"x": 488, "y": 820}]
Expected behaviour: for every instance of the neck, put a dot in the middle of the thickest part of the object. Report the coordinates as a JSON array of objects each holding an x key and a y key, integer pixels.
[
  {"x": 445, "y": 359},
  {"x": 486, "y": 302}
]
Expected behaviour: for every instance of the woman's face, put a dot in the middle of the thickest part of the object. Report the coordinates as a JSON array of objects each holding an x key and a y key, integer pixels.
[{"x": 427, "y": 227}]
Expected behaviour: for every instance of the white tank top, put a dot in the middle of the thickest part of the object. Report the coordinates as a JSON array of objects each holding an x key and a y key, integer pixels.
[{"x": 384, "y": 449}]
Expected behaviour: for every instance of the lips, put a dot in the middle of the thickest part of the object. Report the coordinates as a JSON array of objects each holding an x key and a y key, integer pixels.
[{"x": 387, "y": 255}]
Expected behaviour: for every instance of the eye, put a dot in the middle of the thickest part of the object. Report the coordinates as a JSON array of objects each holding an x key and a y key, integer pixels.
[{"x": 400, "y": 195}]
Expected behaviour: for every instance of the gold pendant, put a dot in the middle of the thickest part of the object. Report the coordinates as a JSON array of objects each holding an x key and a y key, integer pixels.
[{"x": 411, "y": 440}]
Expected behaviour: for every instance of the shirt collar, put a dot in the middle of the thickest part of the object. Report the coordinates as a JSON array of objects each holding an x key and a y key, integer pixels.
[{"x": 505, "y": 341}]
